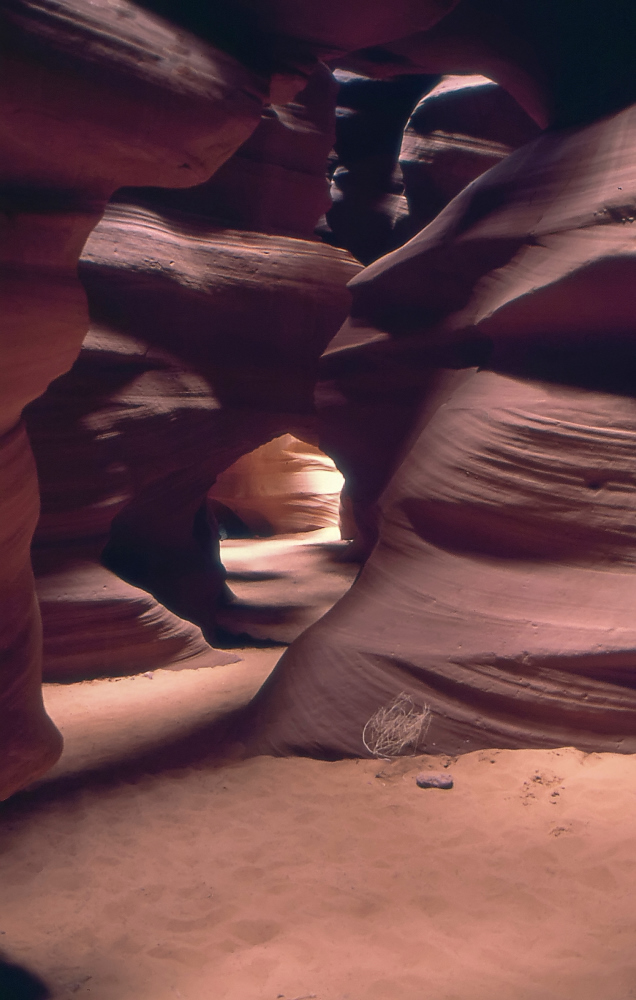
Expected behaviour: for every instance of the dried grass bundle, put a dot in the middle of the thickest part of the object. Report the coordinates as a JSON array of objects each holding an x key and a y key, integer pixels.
[{"x": 397, "y": 728}]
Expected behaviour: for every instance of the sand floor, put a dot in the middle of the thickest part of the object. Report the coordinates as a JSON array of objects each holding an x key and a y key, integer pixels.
[
  {"x": 145, "y": 869},
  {"x": 283, "y": 584}
]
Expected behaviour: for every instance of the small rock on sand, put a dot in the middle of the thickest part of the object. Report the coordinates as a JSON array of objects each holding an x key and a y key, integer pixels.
[{"x": 432, "y": 779}]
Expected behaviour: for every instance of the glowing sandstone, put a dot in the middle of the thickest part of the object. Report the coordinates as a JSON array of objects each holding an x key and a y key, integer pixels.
[
  {"x": 77, "y": 82},
  {"x": 285, "y": 486}
]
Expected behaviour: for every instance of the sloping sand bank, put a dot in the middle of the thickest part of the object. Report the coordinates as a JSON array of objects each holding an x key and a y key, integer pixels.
[{"x": 142, "y": 870}]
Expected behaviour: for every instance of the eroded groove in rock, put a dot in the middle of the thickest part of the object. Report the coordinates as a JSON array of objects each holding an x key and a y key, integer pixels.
[
  {"x": 457, "y": 131},
  {"x": 461, "y": 128}
]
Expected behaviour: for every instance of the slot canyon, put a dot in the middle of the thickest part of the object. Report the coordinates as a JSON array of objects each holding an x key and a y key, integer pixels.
[{"x": 317, "y": 499}]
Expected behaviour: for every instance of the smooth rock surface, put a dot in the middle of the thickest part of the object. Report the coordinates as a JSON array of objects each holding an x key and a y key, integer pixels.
[
  {"x": 203, "y": 346},
  {"x": 285, "y": 486}
]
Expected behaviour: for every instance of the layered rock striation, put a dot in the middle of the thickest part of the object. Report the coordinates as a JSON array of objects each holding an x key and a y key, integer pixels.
[{"x": 462, "y": 127}]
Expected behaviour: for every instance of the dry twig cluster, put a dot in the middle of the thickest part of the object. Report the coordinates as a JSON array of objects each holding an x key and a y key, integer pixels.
[{"x": 396, "y": 728}]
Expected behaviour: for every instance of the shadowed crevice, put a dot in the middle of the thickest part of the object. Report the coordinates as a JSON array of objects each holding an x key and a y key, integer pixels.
[{"x": 17, "y": 983}]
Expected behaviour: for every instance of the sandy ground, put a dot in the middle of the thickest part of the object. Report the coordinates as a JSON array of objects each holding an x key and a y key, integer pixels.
[
  {"x": 145, "y": 869},
  {"x": 283, "y": 584}
]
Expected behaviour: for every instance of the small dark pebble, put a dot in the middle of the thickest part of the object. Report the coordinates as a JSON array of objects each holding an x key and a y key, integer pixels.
[{"x": 429, "y": 779}]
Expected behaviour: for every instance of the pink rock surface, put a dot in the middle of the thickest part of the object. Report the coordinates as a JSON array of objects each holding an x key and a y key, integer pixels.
[
  {"x": 97, "y": 625},
  {"x": 461, "y": 128},
  {"x": 204, "y": 345},
  {"x": 527, "y": 274},
  {"x": 501, "y": 588},
  {"x": 76, "y": 82},
  {"x": 285, "y": 486},
  {"x": 275, "y": 182}
]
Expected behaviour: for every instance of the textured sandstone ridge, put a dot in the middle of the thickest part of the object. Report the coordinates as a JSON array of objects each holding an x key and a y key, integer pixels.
[
  {"x": 203, "y": 345},
  {"x": 205, "y": 330},
  {"x": 275, "y": 182},
  {"x": 502, "y": 587},
  {"x": 77, "y": 80},
  {"x": 400, "y": 160},
  {"x": 461, "y": 128},
  {"x": 97, "y": 625}
]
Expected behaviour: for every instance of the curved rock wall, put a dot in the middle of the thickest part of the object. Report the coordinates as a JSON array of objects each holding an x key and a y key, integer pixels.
[
  {"x": 77, "y": 80},
  {"x": 500, "y": 591},
  {"x": 461, "y": 128},
  {"x": 458, "y": 130},
  {"x": 204, "y": 344},
  {"x": 286, "y": 486},
  {"x": 275, "y": 182},
  {"x": 526, "y": 275}
]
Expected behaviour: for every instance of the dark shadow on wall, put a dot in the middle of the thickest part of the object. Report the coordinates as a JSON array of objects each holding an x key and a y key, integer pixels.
[{"x": 17, "y": 983}]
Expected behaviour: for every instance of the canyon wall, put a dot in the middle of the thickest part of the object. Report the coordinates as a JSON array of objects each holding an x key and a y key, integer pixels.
[
  {"x": 204, "y": 343},
  {"x": 478, "y": 399},
  {"x": 500, "y": 592},
  {"x": 77, "y": 81}
]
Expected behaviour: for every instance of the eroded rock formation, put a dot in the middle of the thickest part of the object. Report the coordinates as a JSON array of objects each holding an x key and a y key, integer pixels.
[
  {"x": 76, "y": 82},
  {"x": 501, "y": 589},
  {"x": 284, "y": 487},
  {"x": 369, "y": 205},
  {"x": 461, "y": 128},
  {"x": 510, "y": 502},
  {"x": 204, "y": 344}
]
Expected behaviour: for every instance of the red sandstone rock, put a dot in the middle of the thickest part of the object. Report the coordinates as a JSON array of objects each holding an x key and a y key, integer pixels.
[
  {"x": 76, "y": 82},
  {"x": 331, "y": 27},
  {"x": 96, "y": 625},
  {"x": 275, "y": 182},
  {"x": 460, "y": 129},
  {"x": 285, "y": 486},
  {"x": 74, "y": 95},
  {"x": 502, "y": 587},
  {"x": 204, "y": 345}
]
